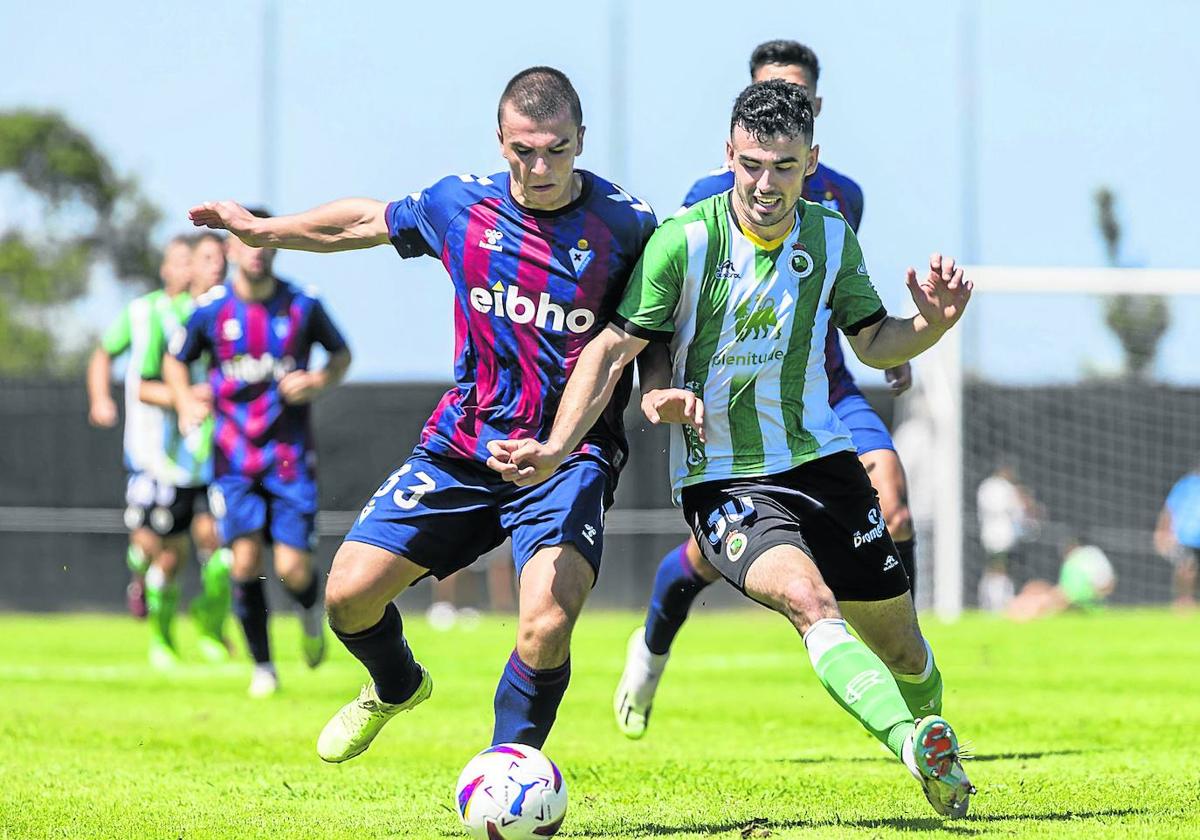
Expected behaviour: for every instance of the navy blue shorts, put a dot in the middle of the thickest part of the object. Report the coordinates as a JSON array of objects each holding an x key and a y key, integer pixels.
[
  {"x": 866, "y": 427},
  {"x": 443, "y": 513},
  {"x": 284, "y": 511}
]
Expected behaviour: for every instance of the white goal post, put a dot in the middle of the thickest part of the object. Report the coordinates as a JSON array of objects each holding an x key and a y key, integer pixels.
[{"x": 1101, "y": 444}]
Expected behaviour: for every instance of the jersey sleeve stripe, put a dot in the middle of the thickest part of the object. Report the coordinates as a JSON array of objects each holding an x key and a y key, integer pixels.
[{"x": 874, "y": 318}]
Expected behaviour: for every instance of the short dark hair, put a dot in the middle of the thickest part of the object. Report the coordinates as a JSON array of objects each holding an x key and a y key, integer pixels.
[
  {"x": 773, "y": 108},
  {"x": 207, "y": 234},
  {"x": 541, "y": 93},
  {"x": 791, "y": 53}
]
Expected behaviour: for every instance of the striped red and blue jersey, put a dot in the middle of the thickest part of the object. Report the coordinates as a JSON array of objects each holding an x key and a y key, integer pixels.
[
  {"x": 531, "y": 289},
  {"x": 834, "y": 190},
  {"x": 252, "y": 345}
]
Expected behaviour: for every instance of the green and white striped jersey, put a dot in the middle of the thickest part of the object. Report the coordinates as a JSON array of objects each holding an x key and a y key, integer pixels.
[
  {"x": 153, "y": 443},
  {"x": 746, "y": 321},
  {"x": 133, "y": 332}
]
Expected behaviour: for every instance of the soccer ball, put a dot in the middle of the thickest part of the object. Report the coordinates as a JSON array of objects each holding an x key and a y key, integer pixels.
[{"x": 511, "y": 792}]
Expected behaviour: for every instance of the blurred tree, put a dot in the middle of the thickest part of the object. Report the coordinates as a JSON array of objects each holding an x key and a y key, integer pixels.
[
  {"x": 90, "y": 216},
  {"x": 1138, "y": 321}
]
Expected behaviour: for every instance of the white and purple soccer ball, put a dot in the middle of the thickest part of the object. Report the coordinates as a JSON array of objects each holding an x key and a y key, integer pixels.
[{"x": 511, "y": 792}]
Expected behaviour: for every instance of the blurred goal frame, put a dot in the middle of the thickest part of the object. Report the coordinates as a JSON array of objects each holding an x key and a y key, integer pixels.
[{"x": 941, "y": 374}]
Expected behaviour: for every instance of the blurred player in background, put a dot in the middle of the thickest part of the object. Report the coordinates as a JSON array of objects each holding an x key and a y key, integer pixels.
[
  {"x": 1085, "y": 580},
  {"x": 1177, "y": 536},
  {"x": 187, "y": 463},
  {"x": 258, "y": 331},
  {"x": 149, "y": 492},
  {"x": 743, "y": 287},
  {"x": 538, "y": 257},
  {"x": 682, "y": 574}
]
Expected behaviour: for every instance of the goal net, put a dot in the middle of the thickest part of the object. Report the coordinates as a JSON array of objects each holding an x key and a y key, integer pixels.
[{"x": 1064, "y": 407}]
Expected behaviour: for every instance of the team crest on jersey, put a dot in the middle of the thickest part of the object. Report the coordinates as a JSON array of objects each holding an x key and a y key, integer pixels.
[
  {"x": 280, "y": 325},
  {"x": 800, "y": 263},
  {"x": 830, "y": 201},
  {"x": 735, "y": 546},
  {"x": 581, "y": 256},
  {"x": 231, "y": 330}
]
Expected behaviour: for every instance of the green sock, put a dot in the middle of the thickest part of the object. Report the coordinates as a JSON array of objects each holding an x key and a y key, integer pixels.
[
  {"x": 161, "y": 600},
  {"x": 136, "y": 560},
  {"x": 860, "y": 683},
  {"x": 922, "y": 692},
  {"x": 218, "y": 589}
]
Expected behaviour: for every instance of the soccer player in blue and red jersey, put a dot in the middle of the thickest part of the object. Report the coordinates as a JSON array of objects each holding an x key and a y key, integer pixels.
[
  {"x": 682, "y": 574},
  {"x": 538, "y": 257},
  {"x": 258, "y": 332}
]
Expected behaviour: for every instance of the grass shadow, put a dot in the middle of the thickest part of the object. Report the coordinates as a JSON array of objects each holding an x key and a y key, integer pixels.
[{"x": 973, "y": 824}]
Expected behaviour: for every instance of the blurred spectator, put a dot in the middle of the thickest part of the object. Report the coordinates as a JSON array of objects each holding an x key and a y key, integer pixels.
[
  {"x": 1008, "y": 515},
  {"x": 1177, "y": 536},
  {"x": 1085, "y": 581}
]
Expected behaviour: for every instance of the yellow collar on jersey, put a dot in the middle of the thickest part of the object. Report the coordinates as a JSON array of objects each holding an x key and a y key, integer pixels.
[{"x": 771, "y": 244}]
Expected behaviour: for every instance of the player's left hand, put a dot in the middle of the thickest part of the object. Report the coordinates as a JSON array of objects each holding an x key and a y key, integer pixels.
[
  {"x": 226, "y": 215},
  {"x": 523, "y": 462},
  {"x": 899, "y": 378},
  {"x": 300, "y": 386},
  {"x": 941, "y": 296},
  {"x": 674, "y": 405}
]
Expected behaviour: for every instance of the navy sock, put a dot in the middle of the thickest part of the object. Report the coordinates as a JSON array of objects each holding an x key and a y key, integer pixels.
[
  {"x": 527, "y": 702},
  {"x": 307, "y": 596},
  {"x": 250, "y": 607},
  {"x": 676, "y": 586},
  {"x": 907, "y": 550},
  {"x": 386, "y": 655}
]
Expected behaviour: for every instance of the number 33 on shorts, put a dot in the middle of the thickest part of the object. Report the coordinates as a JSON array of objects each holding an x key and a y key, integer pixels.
[{"x": 406, "y": 486}]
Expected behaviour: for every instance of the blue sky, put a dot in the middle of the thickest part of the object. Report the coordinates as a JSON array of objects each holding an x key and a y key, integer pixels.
[{"x": 383, "y": 98}]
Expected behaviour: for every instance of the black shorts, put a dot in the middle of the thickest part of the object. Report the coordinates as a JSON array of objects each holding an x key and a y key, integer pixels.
[
  {"x": 827, "y": 508},
  {"x": 164, "y": 509}
]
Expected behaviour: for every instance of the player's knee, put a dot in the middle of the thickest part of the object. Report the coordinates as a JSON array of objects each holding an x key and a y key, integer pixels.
[
  {"x": 806, "y": 601},
  {"x": 345, "y": 604},
  {"x": 545, "y": 634}
]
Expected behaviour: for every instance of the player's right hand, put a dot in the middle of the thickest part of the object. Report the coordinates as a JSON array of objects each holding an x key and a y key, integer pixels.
[
  {"x": 522, "y": 462},
  {"x": 103, "y": 414},
  {"x": 225, "y": 215},
  {"x": 191, "y": 413},
  {"x": 674, "y": 405}
]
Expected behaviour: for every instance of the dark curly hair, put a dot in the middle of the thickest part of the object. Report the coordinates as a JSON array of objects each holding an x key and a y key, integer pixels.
[
  {"x": 785, "y": 52},
  {"x": 773, "y": 108}
]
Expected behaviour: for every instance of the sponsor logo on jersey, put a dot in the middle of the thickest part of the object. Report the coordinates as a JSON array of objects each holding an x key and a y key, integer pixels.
[
  {"x": 757, "y": 321},
  {"x": 727, "y": 271},
  {"x": 862, "y": 268},
  {"x": 890, "y": 563},
  {"x": 544, "y": 314},
  {"x": 491, "y": 239},
  {"x": 589, "y": 534},
  {"x": 800, "y": 263},
  {"x": 253, "y": 370},
  {"x": 878, "y": 526},
  {"x": 581, "y": 256}
]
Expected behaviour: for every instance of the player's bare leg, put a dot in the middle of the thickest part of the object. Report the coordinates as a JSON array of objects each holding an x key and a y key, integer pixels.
[
  {"x": 890, "y": 629},
  {"x": 554, "y": 585},
  {"x": 887, "y": 477},
  {"x": 295, "y": 568},
  {"x": 785, "y": 579},
  {"x": 358, "y": 596}
]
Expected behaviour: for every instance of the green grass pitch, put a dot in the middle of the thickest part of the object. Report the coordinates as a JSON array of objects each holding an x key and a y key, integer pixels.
[{"x": 1083, "y": 726}]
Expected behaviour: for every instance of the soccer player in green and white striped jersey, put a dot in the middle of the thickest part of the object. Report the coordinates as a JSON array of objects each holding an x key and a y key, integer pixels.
[
  {"x": 742, "y": 287},
  {"x": 131, "y": 334}
]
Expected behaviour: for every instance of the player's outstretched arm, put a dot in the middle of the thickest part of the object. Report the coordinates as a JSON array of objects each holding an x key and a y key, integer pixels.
[
  {"x": 941, "y": 296},
  {"x": 344, "y": 225},
  {"x": 526, "y": 462}
]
